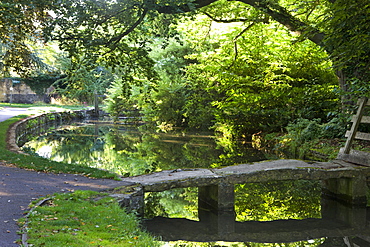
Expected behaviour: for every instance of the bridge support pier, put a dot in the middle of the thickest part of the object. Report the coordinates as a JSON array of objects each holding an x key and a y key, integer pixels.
[
  {"x": 352, "y": 215},
  {"x": 216, "y": 207},
  {"x": 349, "y": 190},
  {"x": 218, "y": 197}
]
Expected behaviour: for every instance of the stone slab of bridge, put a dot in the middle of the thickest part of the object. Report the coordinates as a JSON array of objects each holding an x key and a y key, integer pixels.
[
  {"x": 341, "y": 180},
  {"x": 344, "y": 181}
]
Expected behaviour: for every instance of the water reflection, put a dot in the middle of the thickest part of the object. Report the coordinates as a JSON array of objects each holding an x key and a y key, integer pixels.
[
  {"x": 129, "y": 150},
  {"x": 266, "y": 214},
  {"x": 289, "y": 213}
]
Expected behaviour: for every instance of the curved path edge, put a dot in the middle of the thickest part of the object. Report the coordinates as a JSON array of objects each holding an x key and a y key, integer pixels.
[{"x": 18, "y": 187}]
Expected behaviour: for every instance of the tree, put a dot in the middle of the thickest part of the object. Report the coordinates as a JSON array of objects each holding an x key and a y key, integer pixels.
[
  {"x": 81, "y": 80},
  {"x": 104, "y": 29},
  {"x": 21, "y": 22},
  {"x": 257, "y": 84},
  {"x": 340, "y": 27}
]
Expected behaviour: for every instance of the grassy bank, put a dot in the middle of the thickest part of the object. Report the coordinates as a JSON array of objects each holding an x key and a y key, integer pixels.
[
  {"x": 42, "y": 164},
  {"x": 82, "y": 218}
]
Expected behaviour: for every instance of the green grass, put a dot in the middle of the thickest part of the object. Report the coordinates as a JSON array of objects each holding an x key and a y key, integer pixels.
[
  {"x": 39, "y": 163},
  {"x": 42, "y": 164},
  {"x": 82, "y": 219},
  {"x": 73, "y": 219}
]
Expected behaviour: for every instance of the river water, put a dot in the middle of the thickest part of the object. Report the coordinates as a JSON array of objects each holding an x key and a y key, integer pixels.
[{"x": 285, "y": 213}]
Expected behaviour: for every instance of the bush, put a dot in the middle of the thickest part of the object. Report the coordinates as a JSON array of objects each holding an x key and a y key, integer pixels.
[{"x": 303, "y": 132}]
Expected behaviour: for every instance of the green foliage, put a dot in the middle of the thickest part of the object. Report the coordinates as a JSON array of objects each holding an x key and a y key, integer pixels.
[
  {"x": 250, "y": 76},
  {"x": 118, "y": 99},
  {"x": 85, "y": 218},
  {"x": 278, "y": 200},
  {"x": 83, "y": 79},
  {"x": 20, "y": 23},
  {"x": 348, "y": 28},
  {"x": 261, "y": 84},
  {"x": 162, "y": 101},
  {"x": 42, "y": 164},
  {"x": 304, "y": 133},
  {"x": 175, "y": 203}
]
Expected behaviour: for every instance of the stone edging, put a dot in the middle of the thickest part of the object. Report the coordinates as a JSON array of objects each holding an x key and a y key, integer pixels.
[
  {"x": 24, "y": 231},
  {"x": 11, "y": 137}
]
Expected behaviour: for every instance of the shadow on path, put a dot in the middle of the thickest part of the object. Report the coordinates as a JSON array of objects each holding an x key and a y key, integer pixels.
[{"x": 18, "y": 187}]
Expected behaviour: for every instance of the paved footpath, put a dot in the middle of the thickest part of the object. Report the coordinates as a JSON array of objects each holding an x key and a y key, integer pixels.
[
  {"x": 18, "y": 187},
  {"x": 8, "y": 112}
]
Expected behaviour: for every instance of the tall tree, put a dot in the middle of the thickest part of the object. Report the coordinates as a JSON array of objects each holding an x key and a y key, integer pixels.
[
  {"x": 105, "y": 29},
  {"x": 21, "y": 21},
  {"x": 340, "y": 27}
]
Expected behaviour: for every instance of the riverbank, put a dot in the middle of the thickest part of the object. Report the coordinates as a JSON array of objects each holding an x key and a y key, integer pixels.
[
  {"x": 19, "y": 187},
  {"x": 26, "y": 178}
]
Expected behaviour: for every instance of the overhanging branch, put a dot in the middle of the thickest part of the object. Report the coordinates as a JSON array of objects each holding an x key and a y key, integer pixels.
[
  {"x": 236, "y": 44},
  {"x": 281, "y": 15},
  {"x": 226, "y": 20},
  {"x": 118, "y": 38}
]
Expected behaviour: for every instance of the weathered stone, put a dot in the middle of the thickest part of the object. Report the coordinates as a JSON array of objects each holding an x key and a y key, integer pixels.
[
  {"x": 351, "y": 190},
  {"x": 349, "y": 185},
  {"x": 355, "y": 156},
  {"x": 130, "y": 197},
  {"x": 20, "y": 92},
  {"x": 218, "y": 197},
  {"x": 179, "y": 178}
]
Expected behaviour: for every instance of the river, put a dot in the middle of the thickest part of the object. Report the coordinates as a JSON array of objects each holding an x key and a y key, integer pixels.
[{"x": 285, "y": 213}]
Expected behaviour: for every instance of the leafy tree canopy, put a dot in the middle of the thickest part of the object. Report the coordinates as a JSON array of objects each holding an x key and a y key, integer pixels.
[
  {"x": 229, "y": 77},
  {"x": 20, "y": 23},
  {"x": 106, "y": 29}
]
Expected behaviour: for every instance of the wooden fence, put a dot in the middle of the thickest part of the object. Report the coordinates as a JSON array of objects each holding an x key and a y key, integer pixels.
[{"x": 347, "y": 153}]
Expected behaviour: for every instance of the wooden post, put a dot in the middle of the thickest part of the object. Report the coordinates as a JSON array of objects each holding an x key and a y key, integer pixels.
[
  {"x": 356, "y": 122},
  {"x": 96, "y": 103}
]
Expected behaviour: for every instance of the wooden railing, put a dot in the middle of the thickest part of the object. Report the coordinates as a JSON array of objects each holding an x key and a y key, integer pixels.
[{"x": 347, "y": 153}]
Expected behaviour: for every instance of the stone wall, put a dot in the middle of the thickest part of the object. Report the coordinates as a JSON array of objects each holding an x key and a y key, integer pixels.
[{"x": 19, "y": 92}]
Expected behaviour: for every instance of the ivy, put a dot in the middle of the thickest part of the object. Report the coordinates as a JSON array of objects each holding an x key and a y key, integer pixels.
[{"x": 39, "y": 84}]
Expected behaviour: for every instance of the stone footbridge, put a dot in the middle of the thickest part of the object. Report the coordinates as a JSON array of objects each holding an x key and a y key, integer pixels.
[{"x": 343, "y": 181}]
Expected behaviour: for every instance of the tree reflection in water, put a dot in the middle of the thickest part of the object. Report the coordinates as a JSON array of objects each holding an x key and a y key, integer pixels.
[
  {"x": 133, "y": 151},
  {"x": 280, "y": 200}
]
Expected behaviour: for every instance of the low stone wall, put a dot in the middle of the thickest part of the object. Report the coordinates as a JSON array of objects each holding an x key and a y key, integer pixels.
[
  {"x": 13, "y": 91},
  {"x": 23, "y": 131},
  {"x": 130, "y": 196}
]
